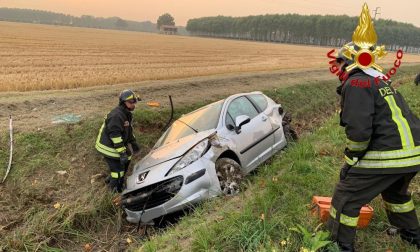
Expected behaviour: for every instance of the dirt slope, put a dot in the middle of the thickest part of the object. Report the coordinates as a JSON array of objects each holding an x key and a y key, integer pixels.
[{"x": 35, "y": 110}]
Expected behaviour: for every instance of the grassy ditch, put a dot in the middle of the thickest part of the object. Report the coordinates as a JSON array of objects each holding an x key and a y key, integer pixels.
[
  {"x": 43, "y": 210},
  {"x": 278, "y": 199},
  {"x": 51, "y": 201}
]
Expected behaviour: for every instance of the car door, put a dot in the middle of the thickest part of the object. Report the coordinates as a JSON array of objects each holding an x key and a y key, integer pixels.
[
  {"x": 260, "y": 101},
  {"x": 255, "y": 140}
]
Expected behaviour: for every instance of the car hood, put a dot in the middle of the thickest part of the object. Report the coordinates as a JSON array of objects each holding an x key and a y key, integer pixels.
[{"x": 171, "y": 150}]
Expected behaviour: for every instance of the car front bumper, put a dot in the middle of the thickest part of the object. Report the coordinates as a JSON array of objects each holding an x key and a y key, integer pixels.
[{"x": 199, "y": 182}]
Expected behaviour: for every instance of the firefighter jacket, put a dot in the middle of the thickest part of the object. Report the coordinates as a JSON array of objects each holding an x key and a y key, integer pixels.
[
  {"x": 116, "y": 133},
  {"x": 383, "y": 135}
]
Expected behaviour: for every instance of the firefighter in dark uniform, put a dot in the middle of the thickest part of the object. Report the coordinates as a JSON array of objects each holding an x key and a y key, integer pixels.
[
  {"x": 382, "y": 157},
  {"x": 115, "y": 136},
  {"x": 382, "y": 153}
]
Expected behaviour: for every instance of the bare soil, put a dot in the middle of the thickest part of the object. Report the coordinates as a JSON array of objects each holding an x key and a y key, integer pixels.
[{"x": 35, "y": 110}]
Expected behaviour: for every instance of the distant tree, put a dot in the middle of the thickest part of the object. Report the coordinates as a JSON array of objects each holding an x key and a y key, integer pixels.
[
  {"x": 87, "y": 20},
  {"x": 165, "y": 19},
  {"x": 45, "y": 17},
  {"x": 298, "y": 29},
  {"x": 121, "y": 23}
]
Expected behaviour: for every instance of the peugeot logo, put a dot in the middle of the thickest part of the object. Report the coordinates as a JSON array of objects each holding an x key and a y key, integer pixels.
[{"x": 142, "y": 177}]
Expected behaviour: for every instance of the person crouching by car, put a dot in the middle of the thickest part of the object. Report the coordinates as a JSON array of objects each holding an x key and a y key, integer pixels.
[{"x": 115, "y": 136}]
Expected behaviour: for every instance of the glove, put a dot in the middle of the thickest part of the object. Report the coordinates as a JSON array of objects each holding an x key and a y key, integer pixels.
[
  {"x": 135, "y": 147},
  {"x": 344, "y": 170},
  {"x": 123, "y": 159}
]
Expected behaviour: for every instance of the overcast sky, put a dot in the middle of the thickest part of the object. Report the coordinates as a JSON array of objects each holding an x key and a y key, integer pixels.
[{"x": 182, "y": 10}]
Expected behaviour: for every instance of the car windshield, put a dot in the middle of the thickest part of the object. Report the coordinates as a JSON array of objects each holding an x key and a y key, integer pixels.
[{"x": 199, "y": 120}]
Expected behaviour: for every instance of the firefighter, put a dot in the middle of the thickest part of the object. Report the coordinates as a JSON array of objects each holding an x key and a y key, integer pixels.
[
  {"x": 382, "y": 153},
  {"x": 115, "y": 136}
]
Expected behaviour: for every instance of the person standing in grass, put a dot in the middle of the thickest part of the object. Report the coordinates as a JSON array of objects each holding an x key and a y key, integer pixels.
[
  {"x": 115, "y": 136},
  {"x": 417, "y": 80},
  {"x": 382, "y": 154}
]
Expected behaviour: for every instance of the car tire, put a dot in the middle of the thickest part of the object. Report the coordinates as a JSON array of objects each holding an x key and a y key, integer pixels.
[
  {"x": 288, "y": 130},
  {"x": 230, "y": 175}
]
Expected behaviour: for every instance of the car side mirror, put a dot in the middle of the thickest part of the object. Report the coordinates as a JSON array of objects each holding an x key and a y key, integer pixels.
[
  {"x": 241, "y": 121},
  {"x": 230, "y": 127}
]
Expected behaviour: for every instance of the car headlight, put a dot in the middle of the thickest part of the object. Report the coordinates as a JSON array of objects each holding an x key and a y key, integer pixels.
[{"x": 191, "y": 156}]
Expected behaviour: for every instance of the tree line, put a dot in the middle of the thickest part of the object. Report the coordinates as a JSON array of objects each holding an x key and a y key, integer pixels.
[
  {"x": 310, "y": 30},
  {"x": 52, "y": 18}
]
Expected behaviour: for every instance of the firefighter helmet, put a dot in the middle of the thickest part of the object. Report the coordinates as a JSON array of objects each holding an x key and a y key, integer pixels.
[
  {"x": 128, "y": 95},
  {"x": 344, "y": 55}
]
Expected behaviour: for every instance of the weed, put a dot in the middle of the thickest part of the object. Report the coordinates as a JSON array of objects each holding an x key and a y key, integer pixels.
[{"x": 312, "y": 242}]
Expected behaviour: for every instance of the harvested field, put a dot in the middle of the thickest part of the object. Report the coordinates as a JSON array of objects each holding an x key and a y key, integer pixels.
[
  {"x": 40, "y": 57},
  {"x": 50, "y": 201}
]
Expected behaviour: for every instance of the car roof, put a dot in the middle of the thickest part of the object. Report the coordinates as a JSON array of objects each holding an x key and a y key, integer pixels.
[{"x": 242, "y": 94}]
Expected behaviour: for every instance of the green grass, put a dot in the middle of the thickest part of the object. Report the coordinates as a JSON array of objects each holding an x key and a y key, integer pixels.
[
  {"x": 282, "y": 191},
  {"x": 86, "y": 214},
  {"x": 29, "y": 221}
]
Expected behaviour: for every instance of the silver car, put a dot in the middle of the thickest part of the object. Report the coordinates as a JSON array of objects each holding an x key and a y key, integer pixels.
[{"x": 204, "y": 154}]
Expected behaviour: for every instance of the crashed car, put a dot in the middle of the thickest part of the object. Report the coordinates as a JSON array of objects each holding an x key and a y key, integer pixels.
[{"x": 204, "y": 154}]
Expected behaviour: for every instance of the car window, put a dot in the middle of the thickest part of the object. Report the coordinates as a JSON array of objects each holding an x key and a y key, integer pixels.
[
  {"x": 177, "y": 130},
  {"x": 242, "y": 106},
  {"x": 204, "y": 118},
  {"x": 199, "y": 120},
  {"x": 229, "y": 120},
  {"x": 259, "y": 100}
]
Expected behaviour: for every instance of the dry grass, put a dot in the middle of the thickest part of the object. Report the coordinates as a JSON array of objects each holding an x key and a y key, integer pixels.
[{"x": 39, "y": 57}]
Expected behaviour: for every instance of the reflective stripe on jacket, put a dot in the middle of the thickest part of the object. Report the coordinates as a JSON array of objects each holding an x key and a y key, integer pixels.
[
  {"x": 116, "y": 133},
  {"x": 383, "y": 135}
]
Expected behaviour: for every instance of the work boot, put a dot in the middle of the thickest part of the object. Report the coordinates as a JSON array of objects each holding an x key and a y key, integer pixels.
[
  {"x": 345, "y": 247},
  {"x": 114, "y": 186},
  {"x": 411, "y": 235}
]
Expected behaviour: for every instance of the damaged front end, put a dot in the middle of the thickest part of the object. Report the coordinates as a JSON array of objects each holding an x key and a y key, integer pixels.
[
  {"x": 175, "y": 184},
  {"x": 152, "y": 195}
]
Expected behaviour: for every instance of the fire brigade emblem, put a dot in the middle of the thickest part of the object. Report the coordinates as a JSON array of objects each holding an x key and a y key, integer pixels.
[{"x": 363, "y": 50}]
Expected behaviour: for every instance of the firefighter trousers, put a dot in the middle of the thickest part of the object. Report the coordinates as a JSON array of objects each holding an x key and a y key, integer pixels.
[
  {"x": 356, "y": 190},
  {"x": 117, "y": 173}
]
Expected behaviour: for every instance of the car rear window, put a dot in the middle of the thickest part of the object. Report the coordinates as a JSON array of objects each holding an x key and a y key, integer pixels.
[{"x": 259, "y": 100}]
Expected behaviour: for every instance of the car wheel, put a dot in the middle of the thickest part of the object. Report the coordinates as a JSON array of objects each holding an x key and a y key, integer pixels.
[
  {"x": 288, "y": 130},
  {"x": 230, "y": 175}
]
